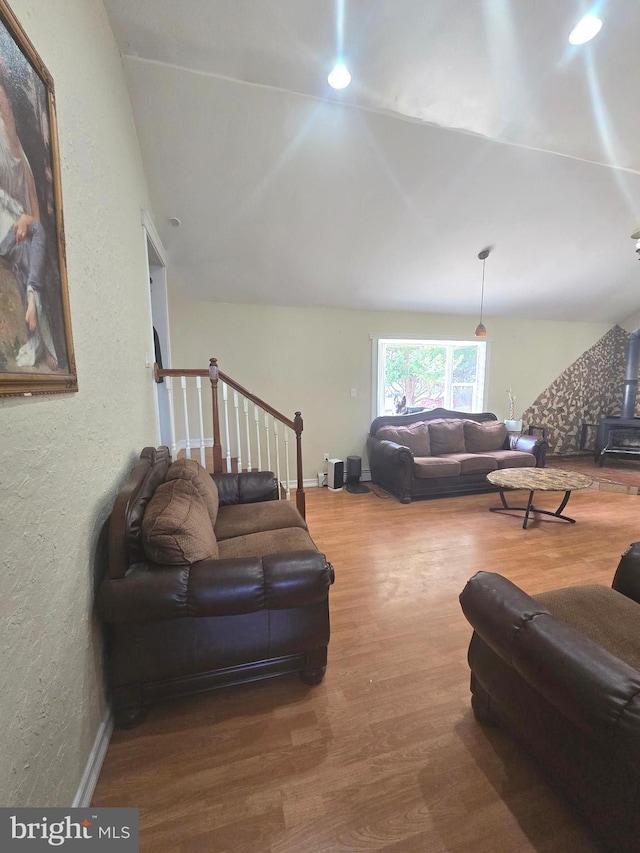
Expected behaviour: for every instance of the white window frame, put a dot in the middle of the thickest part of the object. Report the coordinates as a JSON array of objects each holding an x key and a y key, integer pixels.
[{"x": 377, "y": 391}]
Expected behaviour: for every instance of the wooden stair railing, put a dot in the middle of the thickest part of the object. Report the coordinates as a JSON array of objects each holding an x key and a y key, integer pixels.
[{"x": 229, "y": 455}]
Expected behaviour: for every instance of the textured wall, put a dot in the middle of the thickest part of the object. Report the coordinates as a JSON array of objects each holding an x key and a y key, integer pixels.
[
  {"x": 62, "y": 457},
  {"x": 587, "y": 390}
]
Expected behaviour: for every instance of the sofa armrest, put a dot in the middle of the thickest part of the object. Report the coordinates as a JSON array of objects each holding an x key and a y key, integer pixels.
[
  {"x": 152, "y": 592},
  {"x": 592, "y": 688},
  {"x": 246, "y": 488},
  {"x": 296, "y": 578},
  {"x": 627, "y": 576},
  {"x": 148, "y": 592},
  {"x": 529, "y": 444},
  {"x": 391, "y": 466},
  {"x": 387, "y": 453}
]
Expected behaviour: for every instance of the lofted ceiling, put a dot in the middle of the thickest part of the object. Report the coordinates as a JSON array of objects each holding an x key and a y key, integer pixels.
[{"x": 467, "y": 124}]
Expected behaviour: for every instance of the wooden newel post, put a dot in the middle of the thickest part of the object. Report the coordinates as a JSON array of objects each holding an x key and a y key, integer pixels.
[
  {"x": 300, "y": 498},
  {"x": 217, "y": 447}
]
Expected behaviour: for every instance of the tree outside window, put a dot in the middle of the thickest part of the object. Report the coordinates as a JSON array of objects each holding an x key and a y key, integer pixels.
[{"x": 430, "y": 374}]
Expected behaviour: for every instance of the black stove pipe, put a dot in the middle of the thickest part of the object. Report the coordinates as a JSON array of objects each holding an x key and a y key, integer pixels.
[{"x": 632, "y": 368}]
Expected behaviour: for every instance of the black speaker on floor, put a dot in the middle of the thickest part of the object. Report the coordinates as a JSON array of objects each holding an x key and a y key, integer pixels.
[
  {"x": 354, "y": 468},
  {"x": 354, "y": 471}
]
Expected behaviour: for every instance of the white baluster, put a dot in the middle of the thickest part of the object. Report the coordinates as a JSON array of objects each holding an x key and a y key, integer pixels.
[
  {"x": 286, "y": 459},
  {"x": 172, "y": 415},
  {"x": 187, "y": 440},
  {"x": 203, "y": 461},
  {"x": 237, "y": 408},
  {"x": 256, "y": 415},
  {"x": 225, "y": 401},
  {"x": 266, "y": 427},
  {"x": 276, "y": 440},
  {"x": 246, "y": 424}
]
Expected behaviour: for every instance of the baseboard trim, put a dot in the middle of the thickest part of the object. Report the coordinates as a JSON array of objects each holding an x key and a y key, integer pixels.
[
  {"x": 313, "y": 484},
  {"x": 91, "y": 773}
]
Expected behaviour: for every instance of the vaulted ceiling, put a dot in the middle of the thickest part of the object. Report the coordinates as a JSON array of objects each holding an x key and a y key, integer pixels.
[{"x": 467, "y": 124}]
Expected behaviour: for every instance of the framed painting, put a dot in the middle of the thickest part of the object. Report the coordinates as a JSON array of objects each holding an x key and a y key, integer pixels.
[{"x": 36, "y": 346}]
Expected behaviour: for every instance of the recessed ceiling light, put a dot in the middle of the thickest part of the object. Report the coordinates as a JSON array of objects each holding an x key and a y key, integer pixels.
[
  {"x": 585, "y": 30},
  {"x": 339, "y": 78},
  {"x": 173, "y": 220}
]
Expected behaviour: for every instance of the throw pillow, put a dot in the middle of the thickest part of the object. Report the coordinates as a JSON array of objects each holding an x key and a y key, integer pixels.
[
  {"x": 446, "y": 436},
  {"x": 189, "y": 469},
  {"x": 414, "y": 436},
  {"x": 484, "y": 437},
  {"x": 176, "y": 528}
]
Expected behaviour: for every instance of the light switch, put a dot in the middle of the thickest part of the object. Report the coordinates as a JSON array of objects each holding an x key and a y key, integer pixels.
[{"x": 354, "y": 392}]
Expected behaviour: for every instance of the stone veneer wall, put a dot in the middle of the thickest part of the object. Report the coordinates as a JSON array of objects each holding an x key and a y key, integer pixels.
[{"x": 591, "y": 388}]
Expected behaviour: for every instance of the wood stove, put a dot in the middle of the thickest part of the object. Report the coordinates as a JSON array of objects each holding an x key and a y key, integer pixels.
[{"x": 620, "y": 436}]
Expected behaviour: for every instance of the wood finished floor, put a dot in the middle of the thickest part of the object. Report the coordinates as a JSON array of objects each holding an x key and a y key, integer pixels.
[
  {"x": 614, "y": 475},
  {"x": 385, "y": 754}
]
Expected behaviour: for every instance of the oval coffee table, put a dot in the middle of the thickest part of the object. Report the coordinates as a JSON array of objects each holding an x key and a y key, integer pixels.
[{"x": 533, "y": 480}]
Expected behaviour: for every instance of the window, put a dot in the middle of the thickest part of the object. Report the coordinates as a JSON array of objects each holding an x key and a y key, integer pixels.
[{"x": 430, "y": 374}]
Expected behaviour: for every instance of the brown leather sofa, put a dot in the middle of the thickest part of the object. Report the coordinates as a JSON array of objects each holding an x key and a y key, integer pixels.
[
  {"x": 442, "y": 452},
  {"x": 561, "y": 672},
  {"x": 211, "y": 581}
]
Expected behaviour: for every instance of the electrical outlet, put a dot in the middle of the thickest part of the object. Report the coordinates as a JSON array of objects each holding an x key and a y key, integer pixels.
[{"x": 325, "y": 456}]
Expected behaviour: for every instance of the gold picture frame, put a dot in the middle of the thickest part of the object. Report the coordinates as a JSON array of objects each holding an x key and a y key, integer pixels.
[{"x": 36, "y": 344}]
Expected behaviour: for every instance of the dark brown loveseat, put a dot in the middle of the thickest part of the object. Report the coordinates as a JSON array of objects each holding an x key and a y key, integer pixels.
[
  {"x": 561, "y": 672},
  {"x": 443, "y": 452},
  {"x": 211, "y": 581}
]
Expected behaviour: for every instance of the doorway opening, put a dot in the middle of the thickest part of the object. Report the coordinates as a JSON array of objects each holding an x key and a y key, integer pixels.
[{"x": 159, "y": 304}]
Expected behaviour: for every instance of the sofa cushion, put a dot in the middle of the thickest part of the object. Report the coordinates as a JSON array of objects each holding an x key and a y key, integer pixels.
[
  {"x": 480, "y": 437},
  {"x": 414, "y": 436},
  {"x": 267, "y": 542},
  {"x": 191, "y": 470},
  {"x": 446, "y": 436},
  {"x": 241, "y": 519},
  {"x": 473, "y": 463},
  {"x": 426, "y": 467},
  {"x": 176, "y": 528},
  {"x": 513, "y": 458},
  {"x": 606, "y": 616}
]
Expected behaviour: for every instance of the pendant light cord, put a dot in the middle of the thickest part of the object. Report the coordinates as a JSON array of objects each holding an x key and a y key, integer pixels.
[{"x": 481, "y": 332}]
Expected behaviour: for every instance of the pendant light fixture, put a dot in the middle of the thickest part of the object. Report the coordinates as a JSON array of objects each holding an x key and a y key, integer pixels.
[{"x": 481, "y": 331}]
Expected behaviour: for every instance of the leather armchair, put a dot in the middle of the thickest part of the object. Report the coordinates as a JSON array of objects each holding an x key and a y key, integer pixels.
[{"x": 561, "y": 672}]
